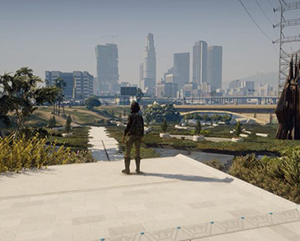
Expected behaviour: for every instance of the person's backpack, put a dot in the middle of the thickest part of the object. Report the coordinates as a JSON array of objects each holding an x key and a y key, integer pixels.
[{"x": 137, "y": 128}]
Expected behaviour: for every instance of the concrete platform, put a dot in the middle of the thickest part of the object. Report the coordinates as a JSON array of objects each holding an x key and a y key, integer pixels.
[{"x": 177, "y": 198}]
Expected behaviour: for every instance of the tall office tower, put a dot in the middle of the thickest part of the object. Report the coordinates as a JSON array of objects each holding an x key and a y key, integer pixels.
[
  {"x": 107, "y": 68},
  {"x": 141, "y": 75},
  {"x": 214, "y": 67},
  {"x": 149, "y": 66},
  {"x": 200, "y": 62},
  {"x": 182, "y": 68},
  {"x": 79, "y": 85}
]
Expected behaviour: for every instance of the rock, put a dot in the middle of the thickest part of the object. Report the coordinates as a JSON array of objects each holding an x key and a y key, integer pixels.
[
  {"x": 164, "y": 135},
  {"x": 262, "y": 134},
  {"x": 237, "y": 139},
  {"x": 243, "y": 135},
  {"x": 67, "y": 134},
  {"x": 198, "y": 138}
]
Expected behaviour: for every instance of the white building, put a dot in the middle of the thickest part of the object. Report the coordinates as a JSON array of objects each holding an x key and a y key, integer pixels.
[{"x": 148, "y": 82}]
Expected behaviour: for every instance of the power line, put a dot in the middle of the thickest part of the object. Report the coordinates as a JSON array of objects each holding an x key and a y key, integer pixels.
[
  {"x": 270, "y": 4},
  {"x": 255, "y": 22},
  {"x": 264, "y": 13}
]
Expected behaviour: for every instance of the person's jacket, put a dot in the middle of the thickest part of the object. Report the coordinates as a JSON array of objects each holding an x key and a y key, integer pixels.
[{"x": 135, "y": 125}]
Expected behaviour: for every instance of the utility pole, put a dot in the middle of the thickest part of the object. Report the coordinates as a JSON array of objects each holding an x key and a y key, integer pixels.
[{"x": 284, "y": 53}]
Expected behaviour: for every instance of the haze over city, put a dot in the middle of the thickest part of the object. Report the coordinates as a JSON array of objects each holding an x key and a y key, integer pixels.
[{"x": 62, "y": 35}]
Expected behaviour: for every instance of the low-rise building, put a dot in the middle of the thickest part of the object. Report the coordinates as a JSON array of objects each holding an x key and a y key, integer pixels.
[{"x": 79, "y": 85}]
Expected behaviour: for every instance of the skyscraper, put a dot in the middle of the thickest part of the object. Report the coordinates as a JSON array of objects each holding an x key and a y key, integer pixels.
[
  {"x": 141, "y": 75},
  {"x": 182, "y": 68},
  {"x": 200, "y": 62},
  {"x": 149, "y": 66},
  {"x": 214, "y": 67},
  {"x": 107, "y": 68}
]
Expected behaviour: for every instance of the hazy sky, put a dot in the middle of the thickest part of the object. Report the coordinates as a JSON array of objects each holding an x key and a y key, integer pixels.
[{"x": 62, "y": 34}]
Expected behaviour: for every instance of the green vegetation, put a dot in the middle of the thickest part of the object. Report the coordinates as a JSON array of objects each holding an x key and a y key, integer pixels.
[
  {"x": 60, "y": 84},
  {"x": 207, "y": 118},
  {"x": 117, "y": 132},
  {"x": 280, "y": 176},
  {"x": 238, "y": 129},
  {"x": 78, "y": 141},
  {"x": 252, "y": 144},
  {"x": 79, "y": 115},
  {"x": 215, "y": 164},
  {"x": 68, "y": 124},
  {"x": 158, "y": 113},
  {"x": 92, "y": 102},
  {"x": 164, "y": 126},
  {"x": 52, "y": 122},
  {"x": 24, "y": 153},
  {"x": 198, "y": 128},
  {"x": 139, "y": 95},
  {"x": 20, "y": 96}
]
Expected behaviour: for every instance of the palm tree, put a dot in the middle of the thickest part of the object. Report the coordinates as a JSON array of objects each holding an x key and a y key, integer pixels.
[{"x": 60, "y": 84}]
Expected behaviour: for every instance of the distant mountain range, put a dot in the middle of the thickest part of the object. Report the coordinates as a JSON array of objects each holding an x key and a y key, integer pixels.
[{"x": 270, "y": 78}]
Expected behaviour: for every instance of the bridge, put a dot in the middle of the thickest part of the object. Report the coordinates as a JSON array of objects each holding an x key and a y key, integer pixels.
[
  {"x": 270, "y": 109},
  {"x": 262, "y": 114}
]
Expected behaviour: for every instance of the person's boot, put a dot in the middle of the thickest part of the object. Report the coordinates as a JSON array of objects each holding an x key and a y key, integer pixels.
[
  {"x": 138, "y": 163},
  {"x": 127, "y": 165}
]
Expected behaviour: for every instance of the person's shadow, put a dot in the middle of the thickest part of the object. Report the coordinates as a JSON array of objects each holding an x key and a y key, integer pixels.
[{"x": 188, "y": 177}]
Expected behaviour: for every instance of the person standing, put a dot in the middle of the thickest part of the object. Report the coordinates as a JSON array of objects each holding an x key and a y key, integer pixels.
[{"x": 133, "y": 134}]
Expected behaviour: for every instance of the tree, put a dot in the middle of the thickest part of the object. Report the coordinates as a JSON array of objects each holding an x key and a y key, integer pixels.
[
  {"x": 68, "y": 124},
  {"x": 60, "y": 84},
  {"x": 112, "y": 113},
  {"x": 52, "y": 122},
  {"x": 92, "y": 102},
  {"x": 164, "y": 125},
  {"x": 238, "y": 129},
  {"x": 139, "y": 95},
  {"x": 198, "y": 128},
  {"x": 21, "y": 96},
  {"x": 157, "y": 113}
]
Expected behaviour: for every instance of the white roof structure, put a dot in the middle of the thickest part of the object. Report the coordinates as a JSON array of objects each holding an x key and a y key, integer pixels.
[{"x": 177, "y": 198}]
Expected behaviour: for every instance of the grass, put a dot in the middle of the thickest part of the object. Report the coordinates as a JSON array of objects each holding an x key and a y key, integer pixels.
[
  {"x": 252, "y": 144},
  {"x": 79, "y": 115},
  {"x": 117, "y": 132},
  {"x": 79, "y": 140}
]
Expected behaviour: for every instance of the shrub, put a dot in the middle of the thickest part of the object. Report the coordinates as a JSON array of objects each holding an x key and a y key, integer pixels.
[
  {"x": 164, "y": 125},
  {"x": 198, "y": 128},
  {"x": 23, "y": 153},
  {"x": 92, "y": 102},
  {"x": 157, "y": 113},
  {"x": 215, "y": 164},
  {"x": 280, "y": 176},
  {"x": 68, "y": 124},
  {"x": 52, "y": 122},
  {"x": 238, "y": 129}
]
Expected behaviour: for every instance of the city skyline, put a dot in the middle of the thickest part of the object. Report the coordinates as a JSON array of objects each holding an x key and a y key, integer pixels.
[{"x": 56, "y": 43}]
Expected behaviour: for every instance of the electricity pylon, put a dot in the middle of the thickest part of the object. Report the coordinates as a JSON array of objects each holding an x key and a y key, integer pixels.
[{"x": 284, "y": 54}]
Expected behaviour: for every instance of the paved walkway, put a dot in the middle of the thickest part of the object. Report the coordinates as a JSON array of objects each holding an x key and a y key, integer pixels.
[
  {"x": 177, "y": 198},
  {"x": 104, "y": 148}
]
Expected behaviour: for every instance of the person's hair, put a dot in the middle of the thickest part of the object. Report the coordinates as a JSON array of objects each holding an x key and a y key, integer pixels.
[{"x": 135, "y": 107}]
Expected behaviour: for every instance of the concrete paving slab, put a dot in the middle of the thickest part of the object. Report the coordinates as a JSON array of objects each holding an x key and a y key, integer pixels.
[{"x": 177, "y": 198}]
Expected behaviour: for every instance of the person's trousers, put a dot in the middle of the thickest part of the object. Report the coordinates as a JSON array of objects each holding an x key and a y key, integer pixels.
[{"x": 137, "y": 141}]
